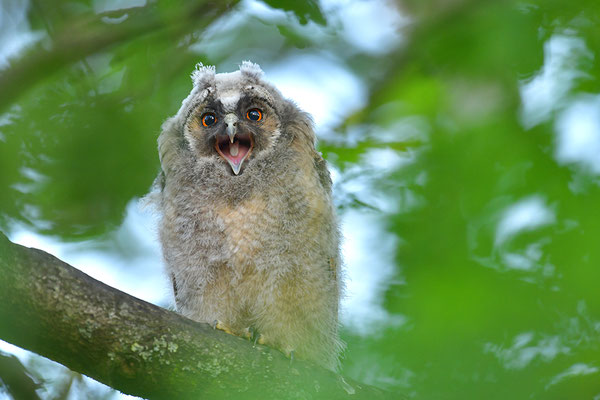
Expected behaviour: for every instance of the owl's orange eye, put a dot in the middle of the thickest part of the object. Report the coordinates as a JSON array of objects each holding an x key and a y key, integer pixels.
[
  {"x": 209, "y": 119},
  {"x": 254, "y": 115}
]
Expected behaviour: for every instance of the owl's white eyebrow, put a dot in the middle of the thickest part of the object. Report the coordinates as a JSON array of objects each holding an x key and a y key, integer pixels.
[{"x": 230, "y": 102}]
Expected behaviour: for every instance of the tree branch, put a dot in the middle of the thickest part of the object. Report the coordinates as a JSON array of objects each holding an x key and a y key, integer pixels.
[
  {"x": 90, "y": 34},
  {"x": 55, "y": 310}
]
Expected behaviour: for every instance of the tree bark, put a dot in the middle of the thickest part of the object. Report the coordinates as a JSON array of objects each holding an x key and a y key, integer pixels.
[{"x": 55, "y": 310}]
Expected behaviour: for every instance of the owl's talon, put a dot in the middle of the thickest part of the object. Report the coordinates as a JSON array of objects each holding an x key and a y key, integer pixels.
[
  {"x": 289, "y": 353},
  {"x": 222, "y": 327},
  {"x": 260, "y": 339},
  {"x": 252, "y": 334},
  {"x": 248, "y": 333}
]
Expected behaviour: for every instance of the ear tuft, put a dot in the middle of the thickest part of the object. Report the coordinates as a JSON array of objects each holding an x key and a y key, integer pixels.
[
  {"x": 252, "y": 69},
  {"x": 203, "y": 74}
]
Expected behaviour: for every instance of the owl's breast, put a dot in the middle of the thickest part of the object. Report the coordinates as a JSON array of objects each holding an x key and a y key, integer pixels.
[
  {"x": 280, "y": 225},
  {"x": 243, "y": 224}
]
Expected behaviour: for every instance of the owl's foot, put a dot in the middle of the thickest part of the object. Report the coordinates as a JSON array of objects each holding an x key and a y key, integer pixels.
[
  {"x": 222, "y": 327},
  {"x": 289, "y": 353},
  {"x": 253, "y": 335},
  {"x": 248, "y": 333},
  {"x": 260, "y": 339}
]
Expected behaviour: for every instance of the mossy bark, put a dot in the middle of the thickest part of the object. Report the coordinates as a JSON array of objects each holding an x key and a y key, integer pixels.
[{"x": 55, "y": 310}]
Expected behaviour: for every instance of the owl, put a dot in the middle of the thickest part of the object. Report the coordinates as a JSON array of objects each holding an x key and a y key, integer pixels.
[{"x": 248, "y": 227}]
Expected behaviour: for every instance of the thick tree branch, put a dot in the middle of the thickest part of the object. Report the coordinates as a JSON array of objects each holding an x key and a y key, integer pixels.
[{"x": 55, "y": 310}]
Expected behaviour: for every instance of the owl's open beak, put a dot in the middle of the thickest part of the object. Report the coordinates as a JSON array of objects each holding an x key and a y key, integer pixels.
[
  {"x": 231, "y": 131},
  {"x": 234, "y": 147}
]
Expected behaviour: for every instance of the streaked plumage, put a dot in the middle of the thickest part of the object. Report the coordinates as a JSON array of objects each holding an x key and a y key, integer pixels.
[{"x": 248, "y": 228}]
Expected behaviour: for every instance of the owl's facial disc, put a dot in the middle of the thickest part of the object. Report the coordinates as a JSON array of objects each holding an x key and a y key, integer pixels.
[{"x": 234, "y": 147}]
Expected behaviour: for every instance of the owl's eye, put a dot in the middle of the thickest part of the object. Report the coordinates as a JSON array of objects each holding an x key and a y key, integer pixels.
[
  {"x": 209, "y": 119},
  {"x": 254, "y": 115}
]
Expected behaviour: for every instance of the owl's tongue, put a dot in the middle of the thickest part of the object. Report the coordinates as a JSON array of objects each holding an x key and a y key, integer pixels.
[{"x": 235, "y": 153}]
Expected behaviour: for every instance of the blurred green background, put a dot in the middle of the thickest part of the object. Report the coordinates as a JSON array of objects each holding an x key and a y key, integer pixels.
[{"x": 463, "y": 137}]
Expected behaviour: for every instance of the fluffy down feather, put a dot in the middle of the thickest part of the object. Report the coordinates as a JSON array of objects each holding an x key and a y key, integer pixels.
[{"x": 257, "y": 250}]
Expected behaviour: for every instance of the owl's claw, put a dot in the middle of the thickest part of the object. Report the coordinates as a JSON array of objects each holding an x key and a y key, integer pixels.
[
  {"x": 248, "y": 333},
  {"x": 222, "y": 327},
  {"x": 289, "y": 353},
  {"x": 260, "y": 339},
  {"x": 253, "y": 335}
]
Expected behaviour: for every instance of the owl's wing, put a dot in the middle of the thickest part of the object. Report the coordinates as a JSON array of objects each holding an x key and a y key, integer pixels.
[
  {"x": 174, "y": 283},
  {"x": 159, "y": 182},
  {"x": 325, "y": 180},
  {"x": 322, "y": 171}
]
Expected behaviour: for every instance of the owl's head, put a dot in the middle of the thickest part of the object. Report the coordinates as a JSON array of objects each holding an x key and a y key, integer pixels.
[{"x": 232, "y": 118}]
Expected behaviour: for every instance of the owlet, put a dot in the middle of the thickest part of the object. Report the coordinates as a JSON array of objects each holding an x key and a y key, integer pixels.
[{"x": 248, "y": 228}]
